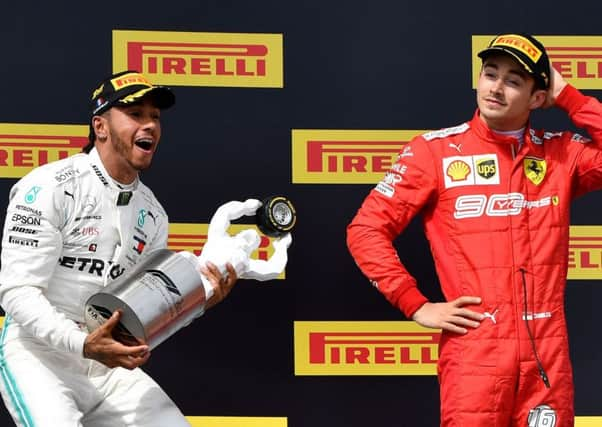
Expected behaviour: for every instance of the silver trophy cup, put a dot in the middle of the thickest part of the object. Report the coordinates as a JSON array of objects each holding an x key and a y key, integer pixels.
[{"x": 163, "y": 294}]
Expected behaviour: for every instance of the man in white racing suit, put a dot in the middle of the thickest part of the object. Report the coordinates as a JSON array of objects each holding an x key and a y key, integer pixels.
[{"x": 71, "y": 227}]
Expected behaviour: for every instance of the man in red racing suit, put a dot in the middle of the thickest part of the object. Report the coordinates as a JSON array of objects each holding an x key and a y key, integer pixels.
[{"x": 495, "y": 197}]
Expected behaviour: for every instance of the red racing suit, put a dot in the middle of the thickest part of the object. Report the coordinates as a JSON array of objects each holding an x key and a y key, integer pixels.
[{"x": 497, "y": 220}]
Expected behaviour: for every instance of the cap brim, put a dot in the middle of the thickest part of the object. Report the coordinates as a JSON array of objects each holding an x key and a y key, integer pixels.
[
  {"x": 162, "y": 97},
  {"x": 491, "y": 50}
]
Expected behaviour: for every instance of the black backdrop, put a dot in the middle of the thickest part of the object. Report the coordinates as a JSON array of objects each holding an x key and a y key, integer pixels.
[{"x": 347, "y": 65}]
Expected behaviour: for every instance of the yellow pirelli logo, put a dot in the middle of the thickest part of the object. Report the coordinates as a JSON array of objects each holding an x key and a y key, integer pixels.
[
  {"x": 365, "y": 348},
  {"x": 192, "y": 237},
  {"x": 24, "y": 146},
  {"x": 577, "y": 58},
  {"x": 238, "y": 421},
  {"x": 521, "y": 43},
  {"x": 201, "y": 59},
  {"x": 129, "y": 80},
  {"x": 345, "y": 156},
  {"x": 585, "y": 252}
]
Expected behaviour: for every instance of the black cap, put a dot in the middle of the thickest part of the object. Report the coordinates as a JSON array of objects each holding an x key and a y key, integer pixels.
[
  {"x": 527, "y": 50},
  {"x": 128, "y": 87}
]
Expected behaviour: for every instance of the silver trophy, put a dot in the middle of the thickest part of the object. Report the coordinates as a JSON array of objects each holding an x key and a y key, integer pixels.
[{"x": 166, "y": 290}]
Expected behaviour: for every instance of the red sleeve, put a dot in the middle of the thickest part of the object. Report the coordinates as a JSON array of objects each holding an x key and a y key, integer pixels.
[
  {"x": 405, "y": 190},
  {"x": 585, "y": 112}
]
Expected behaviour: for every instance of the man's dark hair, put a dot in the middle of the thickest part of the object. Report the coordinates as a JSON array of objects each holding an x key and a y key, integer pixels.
[{"x": 91, "y": 138}]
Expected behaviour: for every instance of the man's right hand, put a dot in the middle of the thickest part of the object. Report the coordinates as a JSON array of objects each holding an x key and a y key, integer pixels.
[
  {"x": 222, "y": 284},
  {"x": 557, "y": 84},
  {"x": 449, "y": 316},
  {"x": 101, "y": 346}
]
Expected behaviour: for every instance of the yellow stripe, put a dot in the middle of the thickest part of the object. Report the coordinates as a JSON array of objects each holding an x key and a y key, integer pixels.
[
  {"x": 237, "y": 421},
  {"x": 588, "y": 421}
]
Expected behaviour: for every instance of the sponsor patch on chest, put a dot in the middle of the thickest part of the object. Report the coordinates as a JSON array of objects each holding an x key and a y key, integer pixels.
[{"x": 481, "y": 169}]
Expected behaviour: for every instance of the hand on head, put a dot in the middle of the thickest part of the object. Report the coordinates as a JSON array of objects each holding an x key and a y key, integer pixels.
[{"x": 557, "y": 84}]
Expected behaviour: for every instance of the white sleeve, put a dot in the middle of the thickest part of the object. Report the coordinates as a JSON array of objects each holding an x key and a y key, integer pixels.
[
  {"x": 32, "y": 241},
  {"x": 30, "y": 309},
  {"x": 31, "y": 246}
]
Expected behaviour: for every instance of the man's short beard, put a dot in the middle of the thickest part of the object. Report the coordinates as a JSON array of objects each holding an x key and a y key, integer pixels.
[{"x": 124, "y": 150}]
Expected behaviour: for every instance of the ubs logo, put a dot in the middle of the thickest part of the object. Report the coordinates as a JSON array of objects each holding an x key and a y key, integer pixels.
[{"x": 86, "y": 231}]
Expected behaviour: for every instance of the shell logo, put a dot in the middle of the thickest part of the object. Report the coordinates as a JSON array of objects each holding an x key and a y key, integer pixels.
[{"x": 458, "y": 170}]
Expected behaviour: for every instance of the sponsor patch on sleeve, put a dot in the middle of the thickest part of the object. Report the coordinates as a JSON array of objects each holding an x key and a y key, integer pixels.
[
  {"x": 580, "y": 138},
  {"x": 395, "y": 176},
  {"x": 385, "y": 189}
]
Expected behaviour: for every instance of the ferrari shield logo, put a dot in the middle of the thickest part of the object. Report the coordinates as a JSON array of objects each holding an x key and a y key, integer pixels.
[{"x": 535, "y": 169}]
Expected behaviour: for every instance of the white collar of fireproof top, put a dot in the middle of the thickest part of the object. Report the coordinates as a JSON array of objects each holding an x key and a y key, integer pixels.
[
  {"x": 518, "y": 134},
  {"x": 126, "y": 187},
  {"x": 103, "y": 175}
]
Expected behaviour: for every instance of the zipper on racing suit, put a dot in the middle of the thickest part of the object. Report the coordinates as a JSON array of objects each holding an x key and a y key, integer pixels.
[{"x": 542, "y": 371}]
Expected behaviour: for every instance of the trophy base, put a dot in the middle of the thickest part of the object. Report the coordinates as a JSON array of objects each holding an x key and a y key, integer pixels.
[
  {"x": 129, "y": 330},
  {"x": 161, "y": 295}
]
